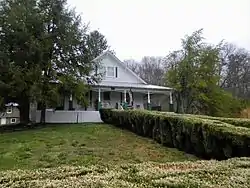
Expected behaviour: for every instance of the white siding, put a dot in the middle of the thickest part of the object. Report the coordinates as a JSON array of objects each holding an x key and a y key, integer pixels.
[
  {"x": 70, "y": 116},
  {"x": 3, "y": 121},
  {"x": 123, "y": 74}
]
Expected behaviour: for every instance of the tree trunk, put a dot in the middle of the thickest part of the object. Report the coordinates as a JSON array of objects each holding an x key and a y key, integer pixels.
[
  {"x": 24, "y": 108},
  {"x": 43, "y": 114},
  {"x": 43, "y": 102},
  {"x": 179, "y": 102},
  {"x": 189, "y": 105}
]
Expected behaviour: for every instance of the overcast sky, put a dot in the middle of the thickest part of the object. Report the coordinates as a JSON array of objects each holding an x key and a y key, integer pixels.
[{"x": 137, "y": 28}]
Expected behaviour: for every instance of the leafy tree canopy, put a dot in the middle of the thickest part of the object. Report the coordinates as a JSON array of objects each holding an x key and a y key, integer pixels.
[
  {"x": 194, "y": 72},
  {"x": 45, "y": 49}
]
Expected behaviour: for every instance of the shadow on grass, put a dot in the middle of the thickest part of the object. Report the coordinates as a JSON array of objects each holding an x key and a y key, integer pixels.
[
  {"x": 80, "y": 144},
  {"x": 24, "y": 127}
]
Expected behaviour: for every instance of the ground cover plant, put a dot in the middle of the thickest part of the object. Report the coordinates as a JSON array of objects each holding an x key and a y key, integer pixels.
[{"x": 207, "y": 174}]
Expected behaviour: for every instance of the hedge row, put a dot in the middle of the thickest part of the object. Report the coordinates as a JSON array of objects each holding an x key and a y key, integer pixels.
[
  {"x": 240, "y": 122},
  {"x": 203, "y": 137}
]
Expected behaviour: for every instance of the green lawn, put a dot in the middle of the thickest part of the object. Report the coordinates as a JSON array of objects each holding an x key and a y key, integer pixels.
[
  {"x": 83, "y": 145},
  {"x": 83, "y": 156}
]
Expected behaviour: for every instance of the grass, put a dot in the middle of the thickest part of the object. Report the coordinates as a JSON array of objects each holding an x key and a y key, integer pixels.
[
  {"x": 94, "y": 144},
  {"x": 100, "y": 155}
]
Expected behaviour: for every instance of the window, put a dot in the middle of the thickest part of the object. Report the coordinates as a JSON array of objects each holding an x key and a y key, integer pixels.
[
  {"x": 9, "y": 110},
  {"x": 106, "y": 96},
  {"x": 110, "y": 72},
  {"x": 13, "y": 120}
]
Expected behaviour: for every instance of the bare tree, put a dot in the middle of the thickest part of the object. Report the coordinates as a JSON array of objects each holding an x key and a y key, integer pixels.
[
  {"x": 227, "y": 50},
  {"x": 150, "y": 69},
  {"x": 235, "y": 70}
]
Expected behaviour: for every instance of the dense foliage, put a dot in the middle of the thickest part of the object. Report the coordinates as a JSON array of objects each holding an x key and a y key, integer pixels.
[
  {"x": 46, "y": 51},
  {"x": 206, "y": 138},
  {"x": 194, "y": 72},
  {"x": 207, "y": 174},
  {"x": 208, "y": 79},
  {"x": 240, "y": 122}
]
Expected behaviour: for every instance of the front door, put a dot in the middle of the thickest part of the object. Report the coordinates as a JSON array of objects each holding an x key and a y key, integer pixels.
[{"x": 3, "y": 121}]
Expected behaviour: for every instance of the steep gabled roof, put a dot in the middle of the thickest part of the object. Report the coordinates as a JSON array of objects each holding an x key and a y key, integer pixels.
[{"x": 120, "y": 62}]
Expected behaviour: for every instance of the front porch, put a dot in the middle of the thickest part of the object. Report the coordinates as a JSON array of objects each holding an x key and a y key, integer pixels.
[
  {"x": 122, "y": 96},
  {"x": 105, "y": 96},
  {"x": 135, "y": 96}
]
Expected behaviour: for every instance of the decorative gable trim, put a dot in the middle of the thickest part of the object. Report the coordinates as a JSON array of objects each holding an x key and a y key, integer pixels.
[{"x": 120, "y": 62}]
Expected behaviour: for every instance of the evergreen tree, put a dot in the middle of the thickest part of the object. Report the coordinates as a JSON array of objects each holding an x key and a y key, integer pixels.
[{"x": 45, "y": 50}]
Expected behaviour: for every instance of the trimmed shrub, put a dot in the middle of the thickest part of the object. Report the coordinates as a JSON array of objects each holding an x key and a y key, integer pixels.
[
  {"x": 199, "y": 174},
  {"x": 206, "y": 138},
  {"x": 240, "y": 122}
]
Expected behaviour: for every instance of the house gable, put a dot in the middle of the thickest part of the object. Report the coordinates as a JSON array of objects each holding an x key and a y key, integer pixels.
[{"x": 120, "y": 73}]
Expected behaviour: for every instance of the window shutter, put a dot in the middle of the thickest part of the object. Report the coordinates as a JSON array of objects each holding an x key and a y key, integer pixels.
[{"x": 116, "y": 72}]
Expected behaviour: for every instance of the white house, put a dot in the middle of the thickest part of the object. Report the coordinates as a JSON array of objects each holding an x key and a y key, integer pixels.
[
  {"x": 119, "y": 87},
  {"x": 11, "y": 115}
]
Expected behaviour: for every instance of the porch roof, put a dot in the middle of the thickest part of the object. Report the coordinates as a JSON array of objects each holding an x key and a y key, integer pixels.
[{"x": 139, "y": 86}]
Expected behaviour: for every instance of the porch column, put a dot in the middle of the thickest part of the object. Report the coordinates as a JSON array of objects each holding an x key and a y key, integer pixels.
[
  {"x": 99, "y": 105},
  {"x": 70, "y": 102},
  {"x": 171, "y": 106},
  {"x": 125, "y": 104},
  {"x": 149, "y": 102}
]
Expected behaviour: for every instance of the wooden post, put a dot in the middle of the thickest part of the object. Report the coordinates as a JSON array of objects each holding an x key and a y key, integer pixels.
[
  {"x": 171, "y": 106},
  {"x": 125, "y": 94},
  {"x": 149, "y": 102},
  {"x": 125, "y": 105},
  {"x": 99, "y": 95},
  {"x": 70, "y": 102},
  {"x": 99, "y": 99},
  {"x": 148, "y": 97}
]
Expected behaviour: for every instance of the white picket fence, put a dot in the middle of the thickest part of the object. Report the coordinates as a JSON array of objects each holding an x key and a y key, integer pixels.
[{"x": 68, "y": 116}]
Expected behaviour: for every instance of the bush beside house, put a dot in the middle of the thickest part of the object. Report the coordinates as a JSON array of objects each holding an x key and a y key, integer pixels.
[{"x": 206, "y": 138}]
